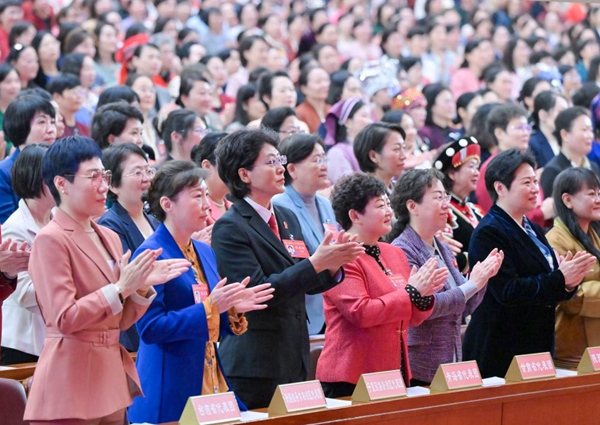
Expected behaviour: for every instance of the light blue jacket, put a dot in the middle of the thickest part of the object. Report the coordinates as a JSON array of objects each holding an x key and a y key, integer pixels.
[{"x": 313, "y": 235}]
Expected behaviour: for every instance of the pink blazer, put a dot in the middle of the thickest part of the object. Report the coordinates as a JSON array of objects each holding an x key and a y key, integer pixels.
[
  {"x": 82, "y": 372},
  {"x": 367, "y": 319}
]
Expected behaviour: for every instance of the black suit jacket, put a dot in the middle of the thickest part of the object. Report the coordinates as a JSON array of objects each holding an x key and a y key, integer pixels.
[
  {"x": 276, "y": 345},
  {"x": 516, "y": 315},
  {"x": 554, "y": 167},
  {"x": 118, "y": 220}
]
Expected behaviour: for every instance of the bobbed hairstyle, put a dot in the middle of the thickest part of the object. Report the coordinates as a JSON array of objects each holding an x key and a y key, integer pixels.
[
  {"x": 502, "y": 168},
  {"x": 170, "y": 180},
  {"x": 353, "y": 192},
  {"x": 111, "y": 119},
  {"x": 240, "y": 149},
  {"x": 571, "y": 181},
  {"x": 297, "y": 148},
  {"x": 206, "y": 149},
  {"x": 373, "y": 138},
  {"x": 274, "y": 118},
  {"x": 336, "y": 87},
  {"x": 412, "y": 185},
  {"x": 113, "y": 158},
  {"x": 116, "y": 94},
  {"x": 20, "y": 113},
  {"x": 26, "y": 172},
  {"x": 64, "y": 157}
]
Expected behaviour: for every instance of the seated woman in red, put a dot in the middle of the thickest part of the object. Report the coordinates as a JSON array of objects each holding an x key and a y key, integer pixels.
[{"x": 367, "y": 316}]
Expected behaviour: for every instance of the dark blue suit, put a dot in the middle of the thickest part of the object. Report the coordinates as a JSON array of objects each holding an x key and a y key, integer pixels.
[
  {"x": 275, "y": 349},
  {"x": 516, "y": 315},
  {"x": 118, "y": 220},
  {"x": 9, "y": 201},
  {"x": 173, "y": 337},
  {"x": 538, "y": 143}
]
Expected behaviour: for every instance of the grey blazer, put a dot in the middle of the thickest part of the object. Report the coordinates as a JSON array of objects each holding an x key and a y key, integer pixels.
[{"x": 437, "y": 339}]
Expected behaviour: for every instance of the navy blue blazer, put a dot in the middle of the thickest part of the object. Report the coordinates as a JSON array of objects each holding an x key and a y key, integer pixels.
[
  {"x": 313, "y": 235},
  {"x": 173, "y": 337},
  {"x": 118, "y": 220},
  {"x": 9, "y": 201},
  {"x": 276, "y": 345},
  {"x": 538, "y": 143},
  {"x": 516, "y": 315}
]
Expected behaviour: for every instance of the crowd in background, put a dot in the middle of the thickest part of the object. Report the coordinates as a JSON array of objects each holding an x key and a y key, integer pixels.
[{"x": 378, "y": 171}]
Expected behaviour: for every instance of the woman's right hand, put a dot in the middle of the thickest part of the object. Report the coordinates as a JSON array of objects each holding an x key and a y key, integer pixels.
[
  {"x": 486, "y": 269},
  {"x": 134, "y": 274},
  {"x": 429, "y": 279},
  {"x": 575, "y": 267}
]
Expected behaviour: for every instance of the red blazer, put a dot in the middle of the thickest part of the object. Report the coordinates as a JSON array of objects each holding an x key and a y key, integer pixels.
[
  {"x": 367, "y": 319},
  {"x": 83, "y": 372}
]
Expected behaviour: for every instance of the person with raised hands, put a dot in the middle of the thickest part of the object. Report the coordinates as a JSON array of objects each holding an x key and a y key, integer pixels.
[
  {"x": 177, "y": 357},
  {"x": 517, "y": 313},
  {"x": 379, "y": 298},
  {"x": 87, "y": 291},
  {"x": 421, "y": 206},
  {"x": 266, "y": 242}
]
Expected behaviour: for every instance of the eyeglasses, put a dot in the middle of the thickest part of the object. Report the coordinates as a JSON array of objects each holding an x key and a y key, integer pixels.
[
  {"x": 442, "y": 198},
  {"x": 320, "y": 161},
  {"x": 148, "y": 172},
  {"x": 96, "y": 177},
  {"x": 202, "y": 131},
  {"x": 277, "y": 161},
  {"x": 292, "y": 130},
  {"x": 522, "y": 127}
]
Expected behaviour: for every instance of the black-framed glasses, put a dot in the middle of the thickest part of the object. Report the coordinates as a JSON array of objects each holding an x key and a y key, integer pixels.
[{"x": 96, "y": 177}]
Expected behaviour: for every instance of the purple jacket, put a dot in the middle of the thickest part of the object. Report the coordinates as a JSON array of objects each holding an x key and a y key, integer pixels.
[{"x": 437, "y": 339}]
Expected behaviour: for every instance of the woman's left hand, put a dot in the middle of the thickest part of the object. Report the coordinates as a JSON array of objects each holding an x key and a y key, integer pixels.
[
  {"x": 204, "y": 235},
  {"x": 253, "y": 298}
]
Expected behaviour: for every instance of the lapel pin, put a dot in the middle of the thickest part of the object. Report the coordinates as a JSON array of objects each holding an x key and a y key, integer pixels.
[{"x": 285, "y": 225}]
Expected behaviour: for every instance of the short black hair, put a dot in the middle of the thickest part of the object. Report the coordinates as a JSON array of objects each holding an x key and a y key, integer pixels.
[
  {"x": 297, "y": 148},
  {"x": 244, "y": 94},
  {"x": 501, "y": 115},
  {"x": 26, "y": 173},
  {"x": 564, "y": 120},
  {"x": 584, "y": 96},
  {"x": 18, "y": 116},
  {"x": 63, "y": 82},
  {"x": 170, "y": 180},
  {"x": 373, "y": 138},
  {"x": 64, "y": 157},
  {"x": 265, "y": 84},
  {"x": 246, "y": 44},
  {"x": 113, "y": 158},
  {"x": 184, "y": 50},
  {"x": 111, "y": 119},
  {"x": 336, "y": 86},
  {"x": 17, "y": 30},
  {"x": 206, "y": 149},
  {"x": 116, "y": 94},
  {"x": 502, "y": 168},
  {"x": 411, "y": 186},
  {"x": 353, "y": 192},
  {"x": 490, "y": 72},
  {"x": 72, "y": 64},
  {"x": 275, "y": 117},
  {"x": 416, "y": 30},
  {"x": 240, "y": 149}
]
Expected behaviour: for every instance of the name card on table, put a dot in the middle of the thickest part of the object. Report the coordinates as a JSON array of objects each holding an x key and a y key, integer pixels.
[
  {"x": 531, "y": 366},
  {"x": 456, "y": 376},
  {"x": 379, "y": 386},
  {"x": 300, "y": 396},
  {"x": 211, "y": 409},
  {"x": 590, "y": 361}
]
